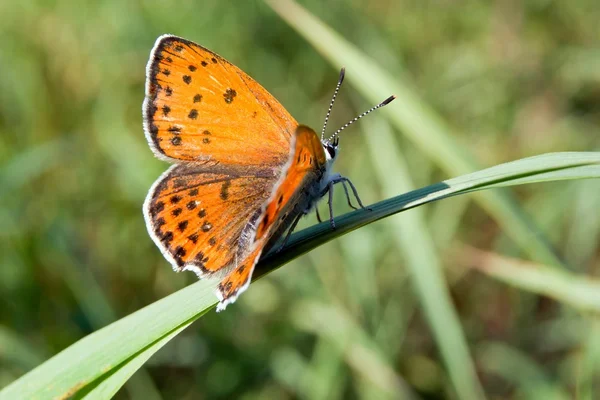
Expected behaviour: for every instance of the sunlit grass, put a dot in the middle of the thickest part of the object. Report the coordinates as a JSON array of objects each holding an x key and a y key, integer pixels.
[
  {"x": 101, "y": 363},
  {"x": 478, "y": 84}
]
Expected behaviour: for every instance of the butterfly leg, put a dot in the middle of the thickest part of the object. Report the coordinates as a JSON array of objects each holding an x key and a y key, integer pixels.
[
  {"x": 348, "y": 196},
  {"x": 337, "y": 178},
  {"x": 289, "y": 232},
  {"x": 330, "y": 203},
  {"x": 344, "y": 180},
  {"x": 329, "y": 190},
  {"x": 318, "y": 215}
]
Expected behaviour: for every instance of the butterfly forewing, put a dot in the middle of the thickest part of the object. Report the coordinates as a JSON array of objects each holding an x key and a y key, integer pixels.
[{"x": 200, "y": 107}]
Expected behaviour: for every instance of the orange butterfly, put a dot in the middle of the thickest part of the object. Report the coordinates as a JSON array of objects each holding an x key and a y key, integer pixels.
[{"x": 244, "y": 170}]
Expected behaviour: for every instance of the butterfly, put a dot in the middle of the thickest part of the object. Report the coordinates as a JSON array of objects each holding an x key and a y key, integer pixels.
[{"x": 244, "y": 171}]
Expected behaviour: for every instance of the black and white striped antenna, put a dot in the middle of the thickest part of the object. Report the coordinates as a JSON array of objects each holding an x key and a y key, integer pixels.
[
  {"x": 335, "y": 93},
  {"x": 383, "y": 103},
  {"x": 337, "y": 89}
]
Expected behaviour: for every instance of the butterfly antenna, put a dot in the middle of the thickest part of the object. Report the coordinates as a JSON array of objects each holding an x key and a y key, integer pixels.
[
  {"x": 383, "y": 103},
  {"x": 337, "y": 89}
]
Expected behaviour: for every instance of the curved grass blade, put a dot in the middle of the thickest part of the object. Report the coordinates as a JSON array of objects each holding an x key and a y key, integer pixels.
[
  {"x": 546, "y": 167},
  {"x": 522, "y": 372},
  {"x": 103, "y": 354},
  {"x": 416, "y": 121},
  {"x": 577, "y": 291},
  {"x": 412, "y": 237},
  {"x": 113, "y": 351}
]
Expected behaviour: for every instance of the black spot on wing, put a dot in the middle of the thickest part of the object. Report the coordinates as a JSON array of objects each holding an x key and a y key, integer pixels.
[
  {"x": 157, "y": 208},
  {"x": 225, "y": 189},
  {"x": 229, "y": 95},
  {"x": 200, "y": 259},
  {"x": 178, "y": 255},
  {"x": 182, "y": 225},
  {"x": 167, "y": 238},
  {"x": 175, "y": 199}
]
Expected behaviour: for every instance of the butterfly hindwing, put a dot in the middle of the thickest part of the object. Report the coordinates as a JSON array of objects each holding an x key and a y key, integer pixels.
[
  {"x": 200, "y": 107},
  {"x": 203, "y": 217},
  {"x": 238, "y": 279}
]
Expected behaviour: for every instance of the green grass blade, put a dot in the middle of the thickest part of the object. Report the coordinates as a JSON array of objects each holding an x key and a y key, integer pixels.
[
  {"x": 101, "y": 354},
  {"x": 361, "y": 353},
  {"x": 411, "y": 235},
  {"x": 14, "y": 350},
  {"x": 546, "y": 167},
  {"x": 590, "y": 368},
  {"x": 30, "y": 164},
  {"x": 107, "y": 385},
  {"x": 85, "y": 364},
  {"x": 415, "y": 120},
  {"x": 565, "y": 287},
  {"x": 529, "y": 379}
]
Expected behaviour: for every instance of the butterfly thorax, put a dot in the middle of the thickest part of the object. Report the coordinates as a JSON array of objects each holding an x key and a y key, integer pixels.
[{"x": 303, "y": 183}]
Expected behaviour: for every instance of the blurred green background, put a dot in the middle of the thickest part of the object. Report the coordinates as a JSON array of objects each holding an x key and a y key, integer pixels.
[{"x": 512, "y": 79}]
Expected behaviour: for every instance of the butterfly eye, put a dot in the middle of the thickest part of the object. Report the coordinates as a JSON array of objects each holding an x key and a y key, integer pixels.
[{"x": 332, "y": 148}]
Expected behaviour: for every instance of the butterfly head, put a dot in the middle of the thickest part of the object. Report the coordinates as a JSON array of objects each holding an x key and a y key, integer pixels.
[
  {"x": 331, "y": 145},
  {"x": 331, "y": 149}
]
